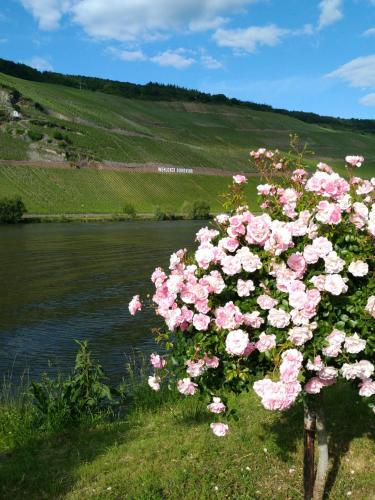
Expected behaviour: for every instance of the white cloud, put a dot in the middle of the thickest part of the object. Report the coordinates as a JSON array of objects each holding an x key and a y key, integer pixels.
[
  {"x": 369, "y": 32},
  {"x": 175, "y": 59},
  {"x": 330, "y": 12},
  {"x": 359, "y": 72},
  {"x": 248, "y": 39},
  {"x": 368, "y": 100},
  {"x": 127, "y": 55},
  {"x": 133, "y": 20},
  {"x": 210, "y": 62},
  {"x": 3, "y": 40},
  {"x": 207, "y": 24},
  {"x": 40, "y": 63},
  {"x": 47, "y": 12}
]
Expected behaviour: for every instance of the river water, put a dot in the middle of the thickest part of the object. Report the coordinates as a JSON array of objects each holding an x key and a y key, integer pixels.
[{"x": 61, "y": 282}]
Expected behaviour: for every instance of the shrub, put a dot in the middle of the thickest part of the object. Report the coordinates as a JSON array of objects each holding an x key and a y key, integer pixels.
[
  {"x": 34, "y": 135},
  {"x": 81, "y": 394},
  {"x": 129, "y": 210},
  {"x": 160, "y": 214},
  {"x": 287, "y": 296},
  {"x": 196, "y": 210},
  {"x": 11, "y": 210},
  {"x": 58, "y": 135}
]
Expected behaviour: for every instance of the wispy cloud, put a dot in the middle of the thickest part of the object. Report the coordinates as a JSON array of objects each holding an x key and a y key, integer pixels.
[
  {"x": 359, "y": 72},
  {"x": 368, "y": 100},
  {"x": 175, "y": 59},
  {"x": 369, "y": 32},
  {"x": 127, "y": 55},
  {"x": 40, "y": 63},
  {"x": 330, "y": 12},
  {"x": 210, "y": 62},
  {"x": 248, "y": 39}
]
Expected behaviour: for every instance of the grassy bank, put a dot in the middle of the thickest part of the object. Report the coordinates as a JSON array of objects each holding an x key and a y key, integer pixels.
[{"x": 161, "y": 448}]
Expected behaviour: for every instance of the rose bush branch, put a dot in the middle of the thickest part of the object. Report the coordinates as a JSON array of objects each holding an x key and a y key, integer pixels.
[{"x": 288, "y": 295}]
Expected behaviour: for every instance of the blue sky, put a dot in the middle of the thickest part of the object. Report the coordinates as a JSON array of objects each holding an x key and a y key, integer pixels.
[{"x": 311, "y": 55}]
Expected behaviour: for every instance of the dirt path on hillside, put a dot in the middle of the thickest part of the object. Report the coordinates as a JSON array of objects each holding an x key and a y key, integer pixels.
[{"x": 129, "y": 167}]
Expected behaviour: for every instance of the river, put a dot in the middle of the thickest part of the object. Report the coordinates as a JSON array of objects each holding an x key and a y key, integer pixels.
[{"x": 61, "y": 282}]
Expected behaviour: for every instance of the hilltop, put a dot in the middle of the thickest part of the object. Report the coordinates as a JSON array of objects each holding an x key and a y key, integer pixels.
[{"x": 120, "y": 143}]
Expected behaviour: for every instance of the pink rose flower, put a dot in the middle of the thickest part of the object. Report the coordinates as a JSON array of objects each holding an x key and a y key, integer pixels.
[
  {"x": 358, "y": 268},
  {"x": 266, "y": 302},
  {"x": 313, "y": 386},
  {"x": 327, "y": 373},
  {"x": 359, "y": 369},
  {"x": 186, "y": 387},
  {"x": 154, "y": 382},
  {"x": 354, "y": 161},
  {"x": 297, "y": 263},
  {"x": 212, "y": 362},
  {"x": 290, "y": 365},
  {"x": 135, "y": 305},
  {"x": 157, "y": 361},
  {"x": 277, "y": 395},
  {"x": 219, "y": 429},
  {"x": 266, "y": 342},
  {"x": 299, "y": 335},
  {"x": 244, "y": 288},
  {"x": 258, "y": 230},
  {"x": 217, "y": 406},
  {"x": 201, "y": 322},
  {"x": 195, "y": 368},
  {"x": 249, "y": 261},
  {"x": 333, "y": 263},
  {"x": 239, "y": 179},
  {"x": 335, "y": 284},
  {"x": 278, "y": 318},
  {"x": 315, "y": 365},
  {"x": 264, "y": 189},
  {"x": 370, "y": 306},
  {"x": 310, "y": 254},
  {"x": 322, "y": 246},
  {"x": 354, "y": 344},
  {"x": 236, "y": 342},
  {"x": 251, "y": 347},
  {"x": 231, "y": 265},
  {"x": 367, "y": 388},
  {"x": 335, "y": 340},
  {"x": 230, "y": 244},
  {"x": 253, "y": 319}
]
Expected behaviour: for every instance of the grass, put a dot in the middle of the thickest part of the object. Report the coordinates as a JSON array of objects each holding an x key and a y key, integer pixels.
[
  {"x": 162, "y": 449},
  {"x": 60, "y": 191}
]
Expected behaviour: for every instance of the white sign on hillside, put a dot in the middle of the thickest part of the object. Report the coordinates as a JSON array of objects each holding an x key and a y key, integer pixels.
[{"x": 175, "y": 170}]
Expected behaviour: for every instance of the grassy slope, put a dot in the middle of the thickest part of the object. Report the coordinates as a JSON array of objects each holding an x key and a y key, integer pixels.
[
  {"x": 163, "y": 449},
  {"x": 186, "y": 134},
  {"x": 99, "y": 191}
]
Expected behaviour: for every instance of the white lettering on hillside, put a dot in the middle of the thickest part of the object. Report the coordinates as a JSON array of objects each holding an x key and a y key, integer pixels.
[{"x": 175, "y": 170}]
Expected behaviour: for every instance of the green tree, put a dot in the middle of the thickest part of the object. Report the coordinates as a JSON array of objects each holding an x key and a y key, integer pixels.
[{"x": 11, "y": 210}]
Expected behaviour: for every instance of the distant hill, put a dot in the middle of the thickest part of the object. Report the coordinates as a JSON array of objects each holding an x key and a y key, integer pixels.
[
  {"x": 161, "y": 92},
  {"x": 52, "y": 127}
]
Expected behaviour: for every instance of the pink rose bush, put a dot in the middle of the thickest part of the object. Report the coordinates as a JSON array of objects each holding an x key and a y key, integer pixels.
[{"x": 288, "y": 293}]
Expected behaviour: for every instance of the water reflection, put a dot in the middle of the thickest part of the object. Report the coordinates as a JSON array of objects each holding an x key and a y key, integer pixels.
[{"x": 73, "y": 281}]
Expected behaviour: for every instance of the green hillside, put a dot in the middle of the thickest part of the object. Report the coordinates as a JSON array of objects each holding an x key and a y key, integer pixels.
[
  {"x": 60, "y": 191},
  {"x": 56, "y": 122}
]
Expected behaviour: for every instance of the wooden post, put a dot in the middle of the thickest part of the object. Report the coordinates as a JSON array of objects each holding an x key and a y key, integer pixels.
[{"x": 309, "y": 451}]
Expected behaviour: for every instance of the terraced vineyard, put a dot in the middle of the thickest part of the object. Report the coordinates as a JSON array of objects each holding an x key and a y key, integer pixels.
[
  {"x": 104, "y": 191},
  {"x": 59, "y": 122}
]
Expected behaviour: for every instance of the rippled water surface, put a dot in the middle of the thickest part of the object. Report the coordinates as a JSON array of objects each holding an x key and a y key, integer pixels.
[{"x": 61, "y": 282}]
